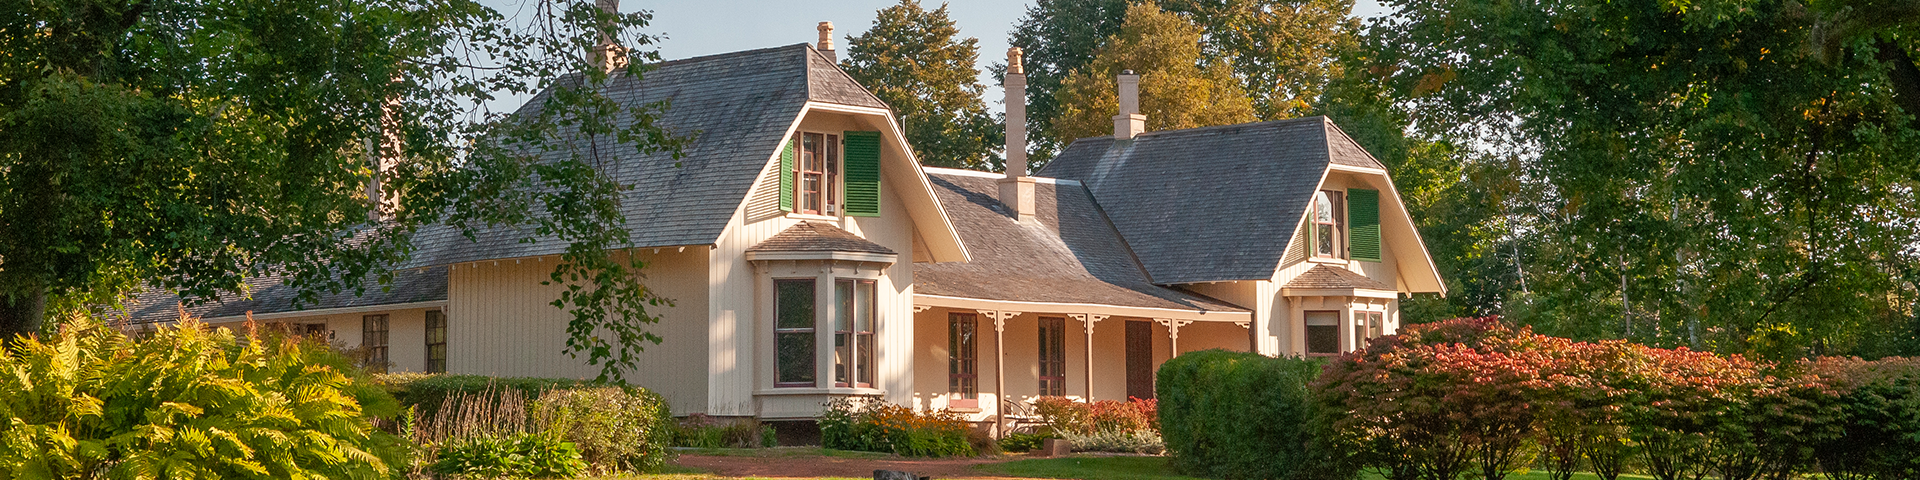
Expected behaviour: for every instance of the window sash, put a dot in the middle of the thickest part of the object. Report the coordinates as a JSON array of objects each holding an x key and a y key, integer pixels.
[
  {"x": 1322, "y": 332},
  {"x": 436, "y": 341},
  {"x": 963, "y": 376},
  {"x": 853, "y": 332},
  {"x": 794, "y": 333},
  {"x": 1053, "y": 356},
  {"x": 1329, "y": 218},
  {"x": 373, "y": 337},
  {"x": 818, "y": 174}
]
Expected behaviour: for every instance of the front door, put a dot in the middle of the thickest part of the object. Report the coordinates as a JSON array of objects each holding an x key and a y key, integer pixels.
[{"x": 1139, "y": 359}]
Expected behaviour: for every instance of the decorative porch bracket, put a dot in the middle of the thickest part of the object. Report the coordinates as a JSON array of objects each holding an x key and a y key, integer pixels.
[
  {"x": 1087, "y": 320},
  {"x": 1173, "y": 333}
]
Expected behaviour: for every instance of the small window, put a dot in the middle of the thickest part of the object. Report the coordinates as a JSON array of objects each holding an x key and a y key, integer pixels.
[
  {"x": 853, "y": 333},
  {"x": 1329, "y": 221},
  {"x": 436, "y": 341},
  {"x": 963, "y": 378},
  {"x": 373, "y": 339},
  {"x": 793, "y": 332},
  {"x": 1323, "y": 333},
  {"x": 1053, "y": 356},
  {"x": 818, "y": 174},
  {"x": 1366, "y": 326}
]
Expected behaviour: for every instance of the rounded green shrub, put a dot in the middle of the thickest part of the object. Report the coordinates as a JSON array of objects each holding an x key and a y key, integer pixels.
[
  {"x": 1239, "y": 415},
  {"x": 187, "y": 402},
  {"x": 615, "y": 428},
  {"x": 521, "y": 456}
]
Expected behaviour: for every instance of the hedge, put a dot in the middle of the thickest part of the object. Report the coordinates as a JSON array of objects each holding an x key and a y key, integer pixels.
[{"x": 1241, "y": 415}]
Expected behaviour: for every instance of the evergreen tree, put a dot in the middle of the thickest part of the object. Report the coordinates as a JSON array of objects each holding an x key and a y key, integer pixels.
[
  {"x": 1176, "y": 89},
  {"x": 913, "y": 59}
]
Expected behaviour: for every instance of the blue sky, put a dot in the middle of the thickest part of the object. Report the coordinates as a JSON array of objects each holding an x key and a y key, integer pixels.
[{"x": 705, "y": 27}]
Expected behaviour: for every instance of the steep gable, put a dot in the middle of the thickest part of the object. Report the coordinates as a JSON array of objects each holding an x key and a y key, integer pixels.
[
  {"x": 736, "y": 108},
  {"x": 1172, "y": 194}
]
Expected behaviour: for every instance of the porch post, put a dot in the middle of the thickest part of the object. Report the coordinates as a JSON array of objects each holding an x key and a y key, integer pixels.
[
  {"x": 1173, "y": 334},
  {"x": 1087, "y": 320},
  {"x": 999, "y": 368}
]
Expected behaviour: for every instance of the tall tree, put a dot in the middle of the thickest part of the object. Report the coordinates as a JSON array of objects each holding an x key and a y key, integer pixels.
[
  {"x": 1176, "y": 89},
  {"x": 1688, "y": 173},
  {"x": 914, "y": 60},
  {"x": 190, "y": 145},
  {"x": 1283, "y": 51}
]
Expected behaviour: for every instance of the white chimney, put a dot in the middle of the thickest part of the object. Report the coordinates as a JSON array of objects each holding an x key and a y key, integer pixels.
[
  {"x": 1129, "y": 123},
  {"x": 1016, "y": 190},
  {"x": 826, "y": 41},
  {"x": 608, "y": 54}
]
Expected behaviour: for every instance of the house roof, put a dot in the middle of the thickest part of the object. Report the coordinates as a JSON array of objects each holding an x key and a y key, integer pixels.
[
  {"x": 1329, "y": 277},
  {"x": 1070, "y": 256},
  {"x": 735, "y": 107},
  {"x": 1169, "y": 192},
  {"x": 273, "y": 295},
  {"x": 818, "y": 237}
]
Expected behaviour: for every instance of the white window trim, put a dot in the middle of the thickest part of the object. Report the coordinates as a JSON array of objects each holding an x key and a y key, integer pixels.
[
  {"x": 828, "y": 274},
  {"x": 839, "y": 202}
]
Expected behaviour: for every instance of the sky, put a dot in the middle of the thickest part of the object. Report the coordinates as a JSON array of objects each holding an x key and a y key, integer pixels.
[{"x": 705, "y": 27}]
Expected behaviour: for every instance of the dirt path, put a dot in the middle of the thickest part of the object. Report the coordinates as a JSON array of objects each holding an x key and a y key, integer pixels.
[{"x": 808, "y": 467}]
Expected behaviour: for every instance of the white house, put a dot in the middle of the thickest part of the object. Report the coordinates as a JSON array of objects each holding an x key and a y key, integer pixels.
[{"x": 808, "y": 255}]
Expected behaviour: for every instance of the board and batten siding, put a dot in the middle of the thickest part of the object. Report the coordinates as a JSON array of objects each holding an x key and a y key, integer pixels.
[
  {"x": 739, "y": 362},
  {"x": 406, "y": 333},
  {"x": 1281, "y": 332},
  {"x": 500, "y": 322}
]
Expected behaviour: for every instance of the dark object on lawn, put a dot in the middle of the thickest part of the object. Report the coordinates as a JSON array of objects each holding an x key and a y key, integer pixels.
[
  {"x": 897, "y": 475},
  {"x": 1056, "y": 447}
]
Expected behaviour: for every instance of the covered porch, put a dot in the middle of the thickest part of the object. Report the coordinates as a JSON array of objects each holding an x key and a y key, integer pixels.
[{"x": 990, "y": 359}]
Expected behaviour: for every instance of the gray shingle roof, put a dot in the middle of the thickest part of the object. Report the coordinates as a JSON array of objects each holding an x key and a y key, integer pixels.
[
  {"x": 1209, "y": 204},
  {"x": 818, "y": 237},
  {"x": 1071, "y": 256},
  {"x": 270, "y": 295},
  {"x": 735, "y": 106},
  {"x": 1323, "y": 276}
]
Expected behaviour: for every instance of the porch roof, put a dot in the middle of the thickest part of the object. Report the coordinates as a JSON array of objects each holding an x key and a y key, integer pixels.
[{"x": 1071, "y": 259}]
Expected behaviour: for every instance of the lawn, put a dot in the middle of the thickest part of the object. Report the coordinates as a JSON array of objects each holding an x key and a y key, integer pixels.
[{"x": 1087, "y": 467}]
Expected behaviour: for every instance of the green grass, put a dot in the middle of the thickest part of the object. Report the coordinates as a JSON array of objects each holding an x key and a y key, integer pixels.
[
  {"x": 1532, "y": 475},
  {"x": 1087, "y": 468}
]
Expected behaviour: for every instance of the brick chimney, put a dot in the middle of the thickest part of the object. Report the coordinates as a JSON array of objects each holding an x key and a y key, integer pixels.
[
  {"x": 1016, "y": 190},
  {"x": 1129, "y": 123},
  {"x": 826, "y": 41},
  {"x": 608, "y": 54}
]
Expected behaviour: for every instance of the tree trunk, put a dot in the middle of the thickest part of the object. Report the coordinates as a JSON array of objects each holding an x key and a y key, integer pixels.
[{"x": 22, "y": 313}]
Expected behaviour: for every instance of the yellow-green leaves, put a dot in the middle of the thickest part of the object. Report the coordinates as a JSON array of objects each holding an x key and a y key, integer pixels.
[{"x": 1176, "y": 89}]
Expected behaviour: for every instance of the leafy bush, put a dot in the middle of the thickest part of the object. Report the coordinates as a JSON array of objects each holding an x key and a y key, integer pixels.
[
  {"x": 430, "y": 391},
  {"x": 520, "y": 456},
  {"x": 1066, "y": 415},
  {"x": 615, "y": 429},
  {"x": 1879, "y": 403},
  {"x": 1024, "y": 442},
  {"x": 1238, "y": 415},
  {"x": 701, "y": 431},
  {"x": 1117, "y": 441},
  {"x": 187, "y": 402},
  {"x": 876, "y": 426}
]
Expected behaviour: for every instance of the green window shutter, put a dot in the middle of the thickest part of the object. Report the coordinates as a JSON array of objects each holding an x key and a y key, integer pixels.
[
  {"x": 786, "y": 175},
  {"x": 1363, "y": 211},
  {"x": 863, "y": 173}
]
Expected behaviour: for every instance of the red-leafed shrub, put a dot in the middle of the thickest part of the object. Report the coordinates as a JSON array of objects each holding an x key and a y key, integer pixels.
[{"x": 1067, "y": 415}]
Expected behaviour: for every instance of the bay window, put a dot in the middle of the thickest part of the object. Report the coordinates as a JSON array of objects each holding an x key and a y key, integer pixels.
[
  {"x": 853, "y": 333},
  {"x": 1366, "y": 326},
  {"x": 1323, "y": 332}
]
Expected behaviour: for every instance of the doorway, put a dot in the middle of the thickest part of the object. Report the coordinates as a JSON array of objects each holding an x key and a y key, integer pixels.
[{"x": 1140, "y": 359}]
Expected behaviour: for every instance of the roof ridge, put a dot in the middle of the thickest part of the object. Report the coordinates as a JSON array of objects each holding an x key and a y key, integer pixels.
[
  {"x": 1209, "y": 128},
  {"x": 843, "y": 74},
  {"x": 718, "y": 56}
]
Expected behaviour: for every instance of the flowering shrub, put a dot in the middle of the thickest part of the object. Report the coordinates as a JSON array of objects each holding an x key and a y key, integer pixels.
[
  {"x": 877, "y": 426},
  {"x": 1117, "y": 441},
  {"x": 1066, "y": 415}
]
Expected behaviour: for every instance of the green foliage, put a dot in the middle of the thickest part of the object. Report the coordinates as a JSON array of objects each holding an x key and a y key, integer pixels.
[
  {"x": 616, "y": 429},
  {"x": 1080, "y": 466},
  {"x": 1240, "y": 415},
  {"x": 1880, "y": 402},
  {"x": 912, "y": 59},
  {"x": 523, "y": 456},
  {"x": 1177, "y": 90},
  {"x": 191, "y": 146},
  {"x": 186, "y": 402},
  {"x": 1024, "y": 442},
  {"x": 1693, "y": 173},
  {"x": 428, "y": 392},
  {"x": 701, "y": 431},
  {"x": 876, "y": 426}
]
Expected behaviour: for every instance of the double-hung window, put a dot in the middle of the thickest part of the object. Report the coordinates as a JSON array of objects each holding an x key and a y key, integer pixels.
[
  {"x": 1366, "y": 326},
  {"x": 1053, "y": 356},
  {"x": 818, "y": 174},
  {"x": 853, "y": 333},
  {"x": 963, "y": 380},
  {"x": 373, "y": 338},
  {"x": 793, "y": 332},
  {"x": 1329, "y": 221},
  {"x": 436, "y": 341},
  {"x": 1323, "y": 332}
]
